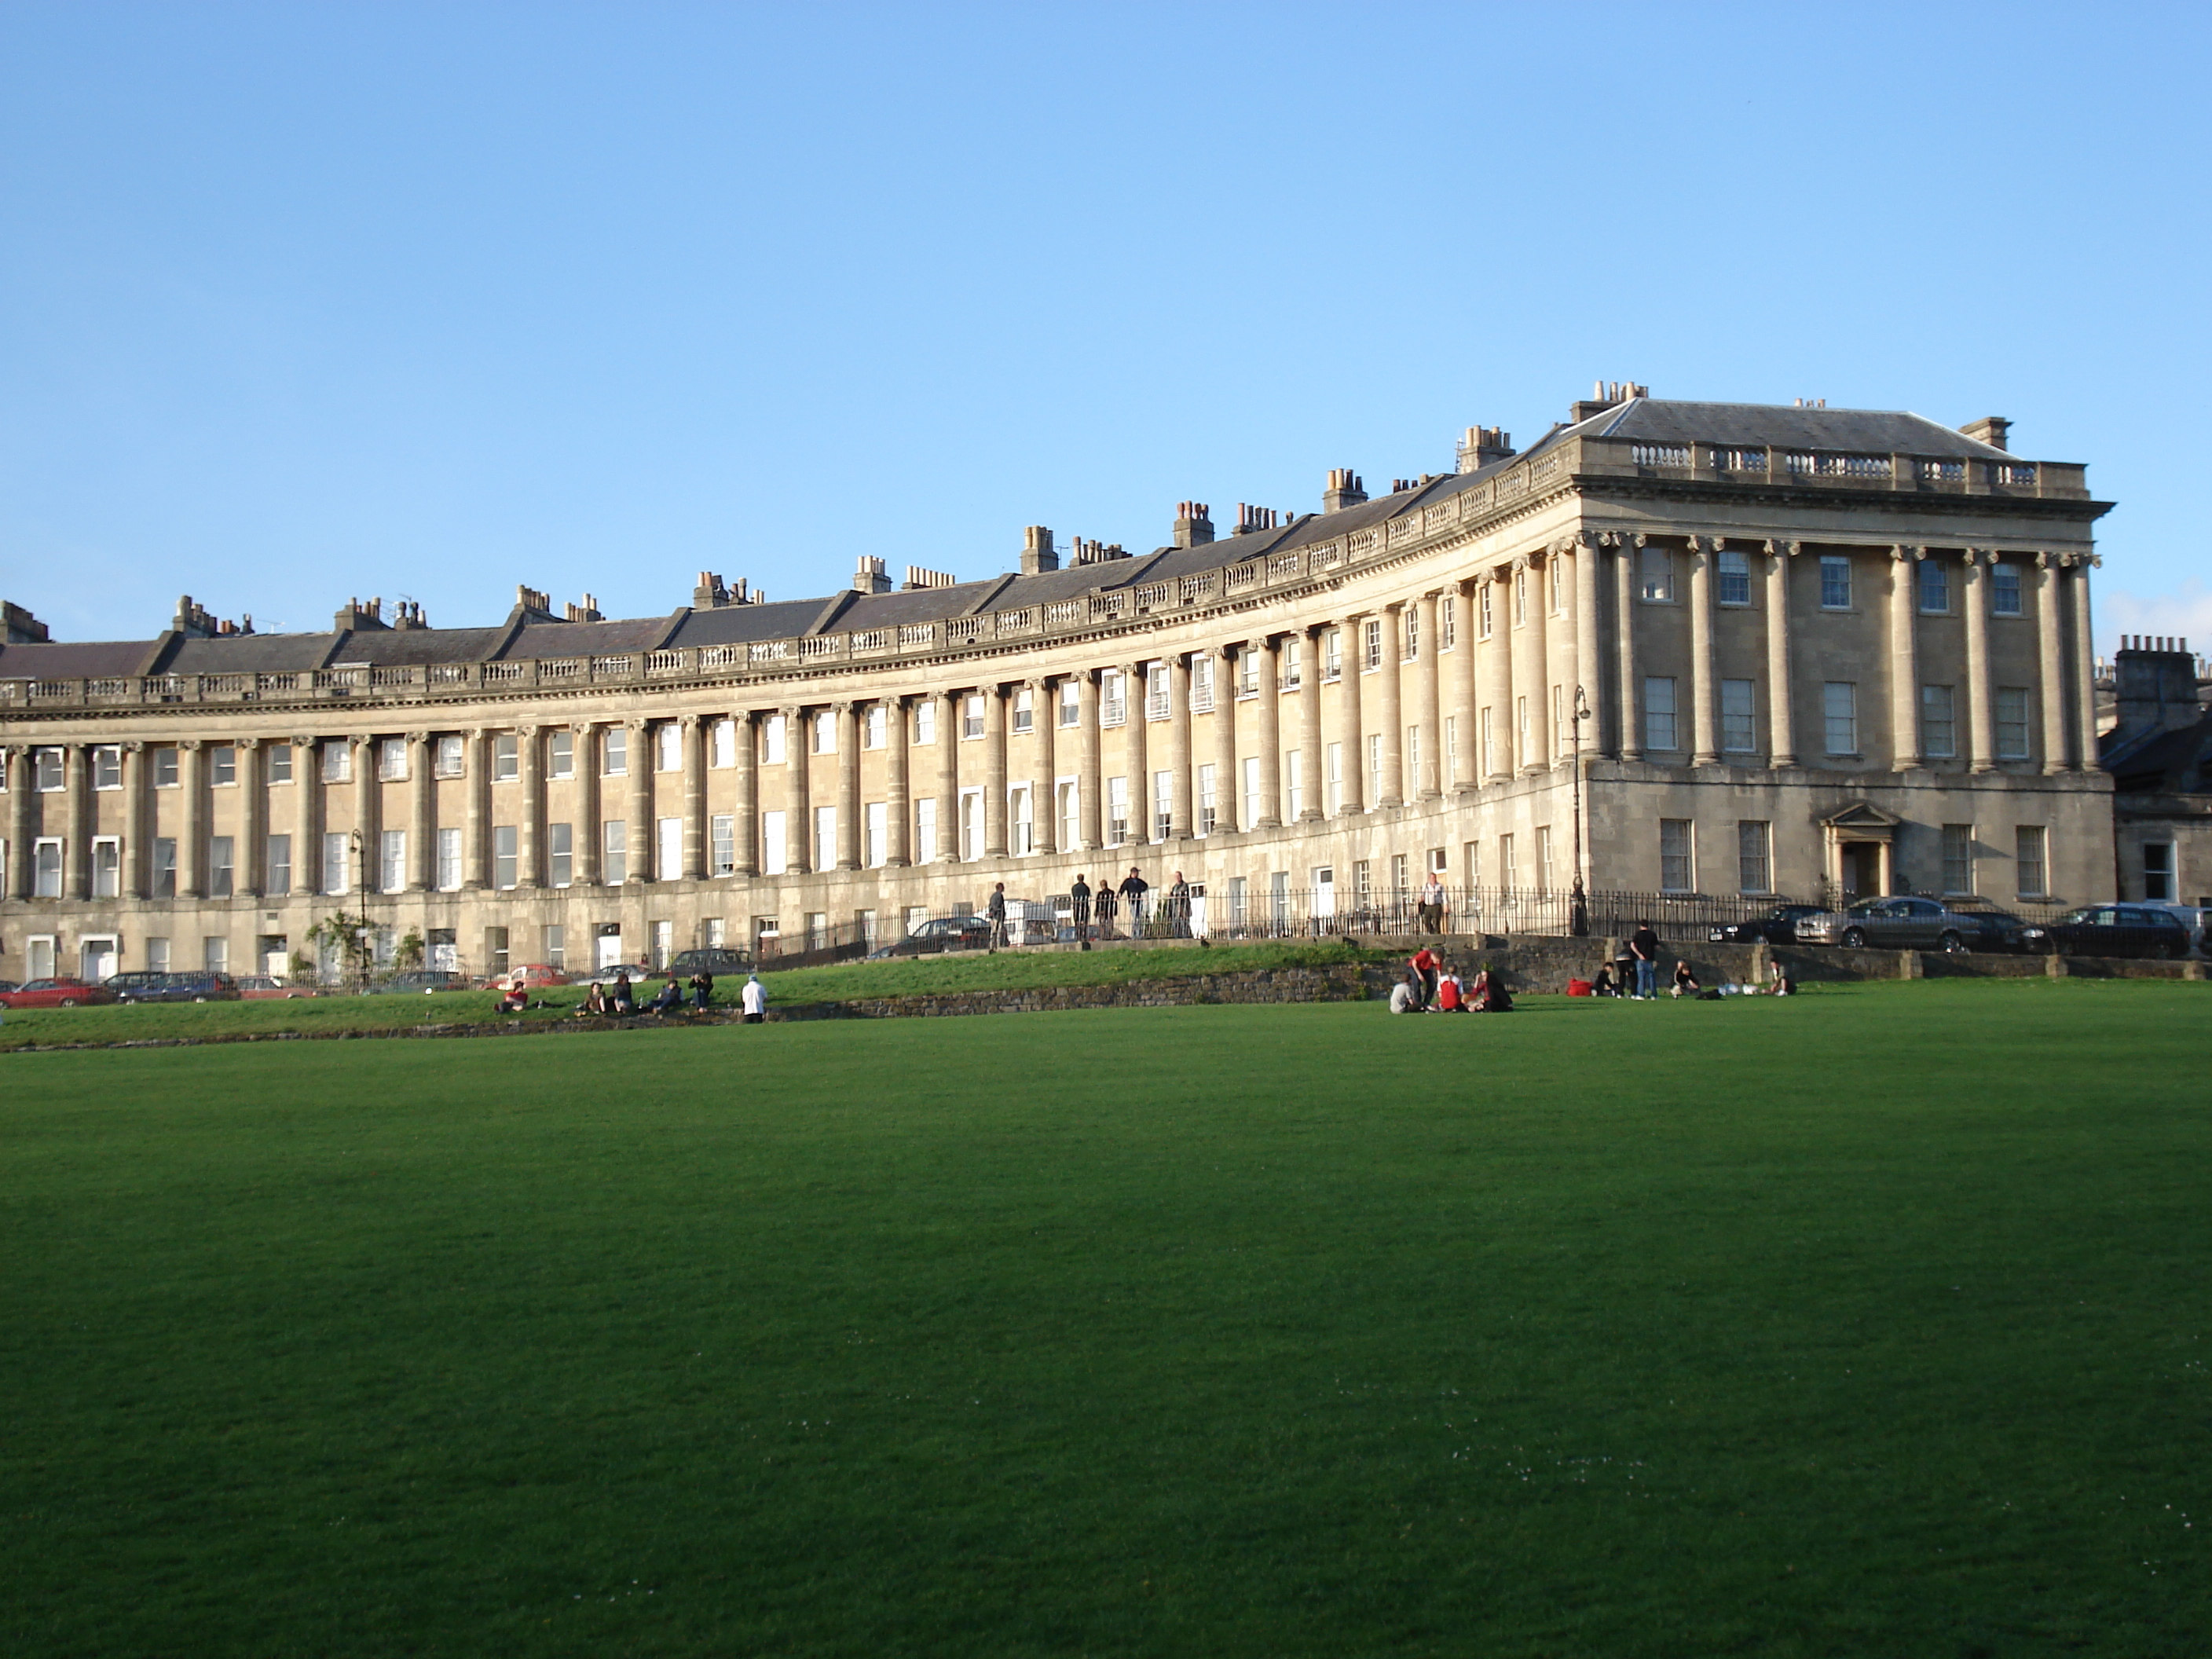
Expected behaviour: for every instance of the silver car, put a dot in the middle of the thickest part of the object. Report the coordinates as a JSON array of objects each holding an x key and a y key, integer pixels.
[{"x": 1912, "y": 923}]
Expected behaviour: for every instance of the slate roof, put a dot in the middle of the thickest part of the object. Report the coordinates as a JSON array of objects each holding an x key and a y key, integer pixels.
[{"x": 1861, "y": 431}]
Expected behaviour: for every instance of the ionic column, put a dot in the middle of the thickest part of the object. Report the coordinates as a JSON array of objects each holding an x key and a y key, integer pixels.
[
  {"x": 20, "y": 831},
  {"x": 693, "y": 736},
  {"x": 1391, "y": 706},
  {"x": 1179, "y": 777},
  {"x": 307, "y": 816},
  {"x": 191, "y": 832},
  {"x": 1270, "y": 815},
  {"x": 1428, "y": 703},
  {"x": 747, "y": 850},
  {"x": 1088, "y": 809},
  {"x": 1310, "y": 751},
  {"x": 1531, "y": 673},
  {"x": 644, "y": 843},
  {"x": 1586, "y": 674},
  {"x": 797, "y": 794},
  {"x": 1628, "y": 722},
  {"x": 476, "y": 820},
  {"x": 1781, "y": 726},
  {"x": 2085, "y": 668},
  {"x": 994, "y": 771},
  {"x": 848, "y": 786},
  {"x": 1704, "y": 736},
  {"x": 530, "y": 834},
  {"x": 1463, "y": 768},
  {"x": 1350, "y": 719},
  {"x": 1981, "y": 748},
  {"x": 1044, "y": 814},
  {"x": 135, "y": 796},
  {"x": 1136, "y": 711},
  {"x": 2051, "y": 659},
  {"x": 1498, "y": 677},
  {"x": 252, "y": 862},
  {"x": 421, "y": 824},
  {"x": 948, "y": 777},
  {"x": 1228, "y": 799},
  {"x": 76, "y": 848},
  {"x": 1904, "y": 658},
  {"x": 588, "y": 840},
  {"x": 897, "y": 840}
]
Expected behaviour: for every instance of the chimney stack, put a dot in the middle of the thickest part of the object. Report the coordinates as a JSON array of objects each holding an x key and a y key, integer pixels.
[
  {"x": 19, "y": 626},
  {"x": 587, "y": 609},
  {"x": 1251, "y": 520},
  {"x": 353, "y": 616},
  {"x": 1606, "y": 394},
  {"x": 2154, "y": 680},
  {"x": 1194, "y": 525},
  {"x": 711, "y": 594},
  {"x": 1343, "y": 489},
  {"x": 871, "y": 575},
  {"x": 918, "y": 579},
  {"x": 1990, "y": 429},
  {"x": 1037, "y": 553},
  {"x": 1484, "y": 446}
]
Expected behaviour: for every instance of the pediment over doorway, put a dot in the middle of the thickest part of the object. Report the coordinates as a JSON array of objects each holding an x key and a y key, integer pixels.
[{"x": 1864, "y": 818}]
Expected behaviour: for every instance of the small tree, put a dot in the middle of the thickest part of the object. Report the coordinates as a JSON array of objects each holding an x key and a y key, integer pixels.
[
  {"x": 407, "y": 953},
  {"x": 349, "y": 941}
]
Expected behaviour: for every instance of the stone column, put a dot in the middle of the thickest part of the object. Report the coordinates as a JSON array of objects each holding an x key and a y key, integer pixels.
[
  {"x": 1228, "y": 793},
  {"x": 530, "y": 832},
  {"x": 1180, "y": 818},
  {"x": 1588, "y": 673},
  {"x": 1705, "y": 735},
  {"x": 746, "y": 852},
  {"x": 1464, "y": 701},
  {"x": 1981, "y": 748},
  {"x": 1135, "y": 750},
  {"x": 644, "y": 841},
  {"x": 1044, "y": 807},
  {"x": 797, "y": 794},
  {"x": 1391, "y": 707},
  {"x": 476, "y": 820},
  {"x": 948, "y": 777},
  {"x": 1351, "y": 716},
  {"x": 1532, "y": 672},
  {"x": 1781, "y": 692},
  {"x": 422, "y": 824},
  {"x": 898, "y": 840},
  {"x": 1428, "y": 706},
  {"x": 368, "y": 814},
  {"x": 307, "y": 815},
  {"x": 252, "y": 862},
  {"x": 1270, "y": 815},
  {"x": 191, "y": 828},
  {"x": 1498, "y": 677},
  {"x": 21, "y": 833},
  {"x": 1088, "y": 785},
  {"x": 848, "y": 786},
  {"x": 1904, "y": 658},
  {"x": 693, "y": 730},
  {"x": 2051, "y": 659},
  {"x": 76, "y": 847},
  {"x": 1310, "y": 809},
  {"x": 1628, "y": 724},
  {"x": 587, "y": 841},
  {"x": 994, "y": 771},
  {"x": 2084, "y": 668},
  {"x": 132, "y": 883}
]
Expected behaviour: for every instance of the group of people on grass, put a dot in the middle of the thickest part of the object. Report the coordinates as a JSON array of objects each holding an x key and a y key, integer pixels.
[
  {"x": 619, "y": 1000},
  {"x": 1634, "y": 974},
  {"x": 1133, "y": 898},
  {"x": 1432, "y": 986}
]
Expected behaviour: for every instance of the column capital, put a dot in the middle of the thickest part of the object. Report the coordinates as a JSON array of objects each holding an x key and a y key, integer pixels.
[
  {"x": 1587, "y": 539},
  {"x": 1702, "y": 545},
  {"x": 1980, "y": 554},
  {"x": 529, "y": 731},
  {"x": 247, "y": 744},
  {"x": 193, "y": 745},
  {"x": 418, "y": 739},
  {"x": 133, "y": 746},
  {"x": 1557, "y": 545},
  {"x": 300, "y": 742},
  {"x": 1907, "y": 553},
  {"x": 636, "y": 723},
  {"x": 581, "y": 728},
  {"x": 688, "y": 723},
  {"x": 1778, "y": 548}
]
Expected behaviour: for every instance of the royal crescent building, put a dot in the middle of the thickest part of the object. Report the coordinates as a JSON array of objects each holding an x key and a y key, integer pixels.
[{"x": 1813, "y": 653}]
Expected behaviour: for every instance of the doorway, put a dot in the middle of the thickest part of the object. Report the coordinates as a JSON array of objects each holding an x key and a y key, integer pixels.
[
  {"x": 96, "y": 959},
  {"x": 607, "y": 947},
  {"x": 1861, "y": 869}
]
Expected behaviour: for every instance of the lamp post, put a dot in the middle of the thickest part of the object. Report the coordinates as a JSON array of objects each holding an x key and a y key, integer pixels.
[{"x": 1579, "y": 926}]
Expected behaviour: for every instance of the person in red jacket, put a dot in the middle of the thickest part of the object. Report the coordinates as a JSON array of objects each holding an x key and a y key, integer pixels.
[
  {"x": 1424, "y": 964},
  {"x": 1447, "y": 994}
]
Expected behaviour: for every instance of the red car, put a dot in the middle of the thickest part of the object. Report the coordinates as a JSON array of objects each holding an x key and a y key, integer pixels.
[
  {"x": 55, "y": 993},
  {"x": 531, "y": 976}
]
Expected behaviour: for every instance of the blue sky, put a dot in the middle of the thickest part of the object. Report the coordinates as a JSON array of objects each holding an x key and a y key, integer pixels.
[{"x": 298, "y": 302}]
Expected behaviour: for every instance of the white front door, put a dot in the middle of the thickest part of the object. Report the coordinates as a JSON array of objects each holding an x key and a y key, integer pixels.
[
  {"x": 97, "y": 960},
  {"x": 608, "y": 951},
  {"x": 1324, "y": 897}
]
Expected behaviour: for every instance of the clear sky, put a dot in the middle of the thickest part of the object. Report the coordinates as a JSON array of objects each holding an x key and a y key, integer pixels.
[{"x": 304, "y": 301}]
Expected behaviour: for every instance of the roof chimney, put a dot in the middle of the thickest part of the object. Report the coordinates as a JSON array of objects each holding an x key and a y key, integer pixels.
[
  {"x": 1484, "y": 446},
  {"x": 1606, "y": 394},
  {"x": 871, "y": 575},
  {"x": 19, "y": 626},
  {"x": 1251, "y": 521},
  {"x": 711, "y": 594},
  {"x": 584, "y": 610},
  {"x": 1343, "y": 489},
  {"x": 917, "y": 578},
  {"x": 1990, "y": 429},
  {"x": 2155, "y": 681},
  {"x": 1193, "y": 525},
  {"x": 1037, "y": 553},
  {"x": 353, "y": 616}
]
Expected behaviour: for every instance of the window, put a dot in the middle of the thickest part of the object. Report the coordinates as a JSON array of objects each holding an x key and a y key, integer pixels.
[
  {"x": 1021, "y": 822},
  {"x": 925, "y": 721},
  {"x": 1250, "y": 766},
  {"x": 1206, "y": 802},
  {"x": 722, "y": 745},
  {"x": 391, "y": 760},
  {"x": 334, "y": 861},
  {"x": 2004, "y": 589},
  {"x": 1659, "y": 714},
  {"x": 775, "y": 842},
  {"x": 1939, "y": 726},
  {"x": 1413, "y": 758},
  {"x": 823, "y": 727},
  {"x": 1248, "y": 673},
  {"x": 1675, "y": 875},
  {"x": 1451, "y": 750},
  {"x": 46, "y": 869},
  {"x": 1024, "y": 713},
  {"x": 1958, "y": 858},
  {"x": 1362, "y": 884},
  {"x": 875, "y": 722},
  {"x": 825, "y": 838},
  {"x": 448, "y": 762},
  {"x": 215, "y": 955},
  {"x": 1543, "y": 858},
  {"x": 971, "y": 825},
  {"x": 1331, "y": 654},
  {"x": 2030, "y": 848},
  {"x": 280, "y": 863},
  {"x": 560, "y": 756},
  {"x": 1236, "y": 900},
  {"x": 1070, "y": 702},
  {"x": 1509, "y": 863},
  {"x": 668, "y": 854},
  {"x": 972, "y": 717},
  {"x": 1521, "y": 731},
  {"x": 614, "y": 855},
  {"x": 2158, "y": 871},
  {"x": 1520, "y": 597},
  {"x": 1374, "y": 768},
  {"x": 1291, "y": 665},
  {"x": 1738, "y": 718},
  {"x": 2012, "y": 722},
  {"x": 668, "y": 747},
  {"x": 1560, "y": 733},
  {"x": 614, "y": 751},
  {"x": 1485, "y": 625},
  {"x": 876, "y": 820},
  {"x": 1489, "y": 767},
  {"x": 556, "y": 946},
  {"x": 1411, "y": 650},
  {"x": 164, "y": 866},
  {"x": 1332, "y": 798},
  {"x": 449, "y": 859},
  {"x": 723, "y": 834},
  {"x": 925, "y": 831},
  {"x": 222, "y": 765},
  {"x": 1839, "y": 712},
  {"x": 1657, "y": 571},
  {"x": 1071, "y": 803},
  {"x": 280, "y": 763},
  {"x": 107, "y": 767},
  {"x": 1294, "y": 782},
  {"x": 505, "y": 757},
  {"x": 157, "y": 956},
  {"x": 1399, "y": 883},
  {"x": 1935, "y": 587},
  {"x": 165, "y": 766},
  {"x": 1754, "y": 861},
  {"x": 1835, "y": 583},
  {"x": 1201, "y": 683},
  {"x": 106, "y": 867},
  {"x": 1736, "y": 576},
  {"x": 1162, "y": 806},
  {"x": 222, "y": 867},
  {"x": 1447, "y": 623},
  {"x": 1370, "y": 643},
  {"x": 496, "y": 951}
]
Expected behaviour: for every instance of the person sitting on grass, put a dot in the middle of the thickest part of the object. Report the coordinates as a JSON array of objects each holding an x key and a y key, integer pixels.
[
  {"x": 1783, "y": 982},
  {"x": 513, "y": 1000},
  {"x": 703, "y": 983},
  {"x": 1686, "y": 982},
  {"x": 1603, "y": 985},
  {"x": 670, "y": 1000},
  {"x": 622, "y": 999},
  {"x": 1449, "y": 998},
  {"x": 1491, "y": 996},
  {"x": 1404, "y": 1000}
]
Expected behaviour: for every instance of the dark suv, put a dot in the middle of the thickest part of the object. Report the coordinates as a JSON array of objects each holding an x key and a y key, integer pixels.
[
  {"x": 1777, "y": 926},
  {"x": 1911, "y": 923},
  {"x": 146, "y": 985},
  {"x": 720, "y": 962},
  {"x": 2112, "y": 930}
]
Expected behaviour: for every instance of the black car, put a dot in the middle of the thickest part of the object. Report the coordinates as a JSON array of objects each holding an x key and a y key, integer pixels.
[
  {"x": 718, "y": 960},
  {"x": 147, "y": 986},
  {"x": 1777, "y": 926},
  {"x": 2111, "y": 930},
  {"x": 945, "y": 933}
]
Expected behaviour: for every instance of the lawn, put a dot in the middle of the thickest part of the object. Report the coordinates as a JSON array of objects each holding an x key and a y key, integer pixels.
[{"x": 1872, "y": 1323}]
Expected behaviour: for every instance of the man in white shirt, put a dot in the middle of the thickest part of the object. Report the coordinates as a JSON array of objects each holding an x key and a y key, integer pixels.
[{"x": 754, "y": 998}]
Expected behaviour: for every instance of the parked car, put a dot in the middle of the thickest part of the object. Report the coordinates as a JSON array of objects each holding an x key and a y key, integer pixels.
[
  {"x": 718, "y": 960},
  {"x": 2195, "y": 919},
  {"x": 148, "y": 985},
  {"x": 1913, "y": 924},
  {"x": 418, "y": 982},
  {"x": 1777, "y": 926},
  {"x": 55, "y": 993},
  {"x": 637, "y": 970},
  {"x": 944, "y": 934},
  {"x": 2112, "y": 930},
  {"x": 7, "y": 984},
  {"x": 260, "y": 988},
  {"x": 531, "y": 976}
]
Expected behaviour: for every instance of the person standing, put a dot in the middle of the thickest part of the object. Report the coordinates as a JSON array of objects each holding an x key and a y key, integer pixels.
[
  {"x": 1644, "y": 946},
  {"x": 996, "y": 911},
  {"x": 1426, "y": 965},
  {"x": 754, "y": 1000},
  {"x": 1432, "y": 905},
  {"x": 1134, "y": 889},
  {"x": 1179, "y": 908},
  {"x": 1106, "y": 905},
  {"x": 1078, "y": 904}
]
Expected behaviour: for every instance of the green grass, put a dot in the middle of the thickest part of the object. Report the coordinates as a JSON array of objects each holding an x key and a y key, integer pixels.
[
  {"x": 1870, "y": 1323},
  {"x": 1007, "y": 970}
]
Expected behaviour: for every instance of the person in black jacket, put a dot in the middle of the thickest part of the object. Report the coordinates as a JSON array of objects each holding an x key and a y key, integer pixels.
[
  {"x": 1106, "y": 903},
  {"x": 1078, "y": 901},
  {"x": 1179, "y": 908},
  {"x": 1644, "y": 946},
  {"x": 1134, "y": 888}
]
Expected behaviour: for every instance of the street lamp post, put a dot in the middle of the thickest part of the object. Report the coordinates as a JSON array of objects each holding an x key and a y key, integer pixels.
[{"x": 1579, "y": 926}]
